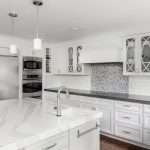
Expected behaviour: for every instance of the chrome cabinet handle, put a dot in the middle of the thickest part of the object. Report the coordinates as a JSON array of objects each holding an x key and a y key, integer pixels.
[
  {"x": 126, "y": 117},
  {"x": 127, "y": 106},
  {"x": 126, "y": 132},
  {"x": 79, "y": 134},
  {"x": 49, "y": 147}
]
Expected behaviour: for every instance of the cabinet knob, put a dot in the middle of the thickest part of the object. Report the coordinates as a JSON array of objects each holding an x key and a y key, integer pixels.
[
  {"x": 126, "y": 117},
  {"x": 126, "y": 106}
]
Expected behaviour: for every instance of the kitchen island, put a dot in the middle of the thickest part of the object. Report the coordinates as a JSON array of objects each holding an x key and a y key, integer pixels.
[{"x": 30, "y": 125}]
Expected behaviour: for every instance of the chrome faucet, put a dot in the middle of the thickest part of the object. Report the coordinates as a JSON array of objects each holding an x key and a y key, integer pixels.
[{"x": 60, "y": 89}]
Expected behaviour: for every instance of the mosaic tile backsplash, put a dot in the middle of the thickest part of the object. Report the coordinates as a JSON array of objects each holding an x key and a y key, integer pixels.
[{"x": 108, "y": 77}]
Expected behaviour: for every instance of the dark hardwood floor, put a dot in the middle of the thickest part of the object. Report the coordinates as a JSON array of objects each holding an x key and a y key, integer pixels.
[{"x": 112, "y": 144}]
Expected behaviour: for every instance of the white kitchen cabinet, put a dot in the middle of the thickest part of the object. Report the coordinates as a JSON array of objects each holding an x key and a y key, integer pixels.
[
  {"x": 85, "y": 137},
  {"x": 128, "y": 118},
  {"x": 130, "y": 133},
  {"x": 64, "y": 65},
  {"x": 59, "y": 142},
  {"x": 137, "y": 54},
  {"x": 106, "y": 121},
  {"x": 128, "y": 121},
  {"x": 128, "y": 106},
  {"x": 130, "y": 55}
]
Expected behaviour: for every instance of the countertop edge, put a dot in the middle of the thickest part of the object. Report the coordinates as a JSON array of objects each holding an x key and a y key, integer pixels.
[{"x": 111, "y": 97}]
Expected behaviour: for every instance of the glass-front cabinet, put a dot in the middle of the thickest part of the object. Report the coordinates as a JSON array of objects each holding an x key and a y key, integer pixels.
[
  {"x": 137, "y": 54},
  {"x": 145, "y": 53},
  {"x": 130, "y": 57}
]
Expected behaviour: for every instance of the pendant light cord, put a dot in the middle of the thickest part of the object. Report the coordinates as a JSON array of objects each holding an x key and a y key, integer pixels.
[
  {"x": 37, "y": 21},
  {"x": 13, "y": 25}
]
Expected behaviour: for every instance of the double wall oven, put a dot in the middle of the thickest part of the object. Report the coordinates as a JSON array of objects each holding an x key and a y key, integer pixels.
[{"x": 32, "y": 77}]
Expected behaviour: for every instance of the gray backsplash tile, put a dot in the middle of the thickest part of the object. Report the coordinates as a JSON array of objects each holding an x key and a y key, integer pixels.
[{"x": 108, "y": 77}]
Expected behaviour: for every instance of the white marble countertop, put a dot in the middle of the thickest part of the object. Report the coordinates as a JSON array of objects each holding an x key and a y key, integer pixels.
[{"x": 25, "y": 122}]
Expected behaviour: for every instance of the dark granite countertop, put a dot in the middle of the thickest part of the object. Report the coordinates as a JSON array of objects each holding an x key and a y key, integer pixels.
[{"x": 113, "y": 96}]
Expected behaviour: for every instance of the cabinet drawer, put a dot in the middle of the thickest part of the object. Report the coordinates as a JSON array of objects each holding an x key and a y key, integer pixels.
[
  {"x": 147, "y": 121},
  {"x": 53, "y": 143},
  {"x": 128, "y": 118},
  {"x": 128, "y": 133},
  {"x": 85, "y": 137},
  {"x": 147, "y": 109},
  {"x": 146, "y": 137},
  {"x": 127, "y": 106}
]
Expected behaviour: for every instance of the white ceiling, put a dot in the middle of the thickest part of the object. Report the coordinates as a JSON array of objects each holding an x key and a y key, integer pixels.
[{"x": 57, "y": 17}]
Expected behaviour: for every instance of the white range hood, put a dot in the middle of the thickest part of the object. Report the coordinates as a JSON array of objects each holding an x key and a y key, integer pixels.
[{"x": 101, "y": 55}]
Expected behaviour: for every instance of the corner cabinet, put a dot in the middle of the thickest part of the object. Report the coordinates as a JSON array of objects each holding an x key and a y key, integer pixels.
[{"x": 137, "y": 54}]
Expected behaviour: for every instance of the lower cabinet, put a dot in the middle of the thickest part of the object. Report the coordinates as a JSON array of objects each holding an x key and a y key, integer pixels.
[
  {"x": 106, "y": 120},
  {"x": 59, "y": 142},
  {"x": 128, "y": 132},
  {"x": 128, "y": 121},
  {"x": 85, "y": 137}
]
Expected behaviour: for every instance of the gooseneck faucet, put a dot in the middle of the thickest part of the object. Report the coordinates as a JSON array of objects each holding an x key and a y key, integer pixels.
[{"x": 59, "y": 108}]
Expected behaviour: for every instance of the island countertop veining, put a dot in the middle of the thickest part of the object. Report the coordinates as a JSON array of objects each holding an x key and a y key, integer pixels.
[
  {"x": 108, "y": 95},
  {"x": 25, "y": 122}
]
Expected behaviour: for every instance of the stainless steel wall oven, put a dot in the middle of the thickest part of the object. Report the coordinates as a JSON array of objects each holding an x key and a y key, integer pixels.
[{"x": 32, "y": 77}]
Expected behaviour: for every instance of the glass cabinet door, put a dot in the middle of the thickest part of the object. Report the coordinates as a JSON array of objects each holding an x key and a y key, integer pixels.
[
  {"x": 130, "y": 55},
  {"x": 145, "y": 53}
]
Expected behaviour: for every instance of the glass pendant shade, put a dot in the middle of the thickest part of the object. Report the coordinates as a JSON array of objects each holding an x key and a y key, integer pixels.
[
  {"x": 37, "y": 44},
  {"x": 13, "y": 49}
]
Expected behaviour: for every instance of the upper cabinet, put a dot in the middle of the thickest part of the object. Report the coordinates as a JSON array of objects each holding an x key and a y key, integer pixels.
[
  {"x": 137, "y": 55},
  {"x": 145, "y": 53},
  {"x": 101, "y": 55},
  {"x": 64, "y": 60}
]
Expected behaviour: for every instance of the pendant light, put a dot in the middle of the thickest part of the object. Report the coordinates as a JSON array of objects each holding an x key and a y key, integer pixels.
[
  {"x": 13, "y": 47},
  {"x": 37, "y": 42}
]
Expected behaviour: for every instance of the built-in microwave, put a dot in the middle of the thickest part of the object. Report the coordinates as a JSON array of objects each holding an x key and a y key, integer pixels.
[{"x": 32, "y": 63}]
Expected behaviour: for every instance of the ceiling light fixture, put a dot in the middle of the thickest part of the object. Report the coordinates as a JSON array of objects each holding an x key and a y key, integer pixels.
[
  {"x": 37, "y": 42},
  {"x": 13, "y": 47}
]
